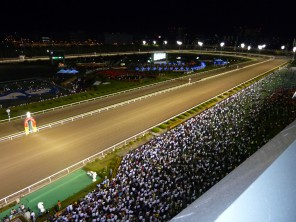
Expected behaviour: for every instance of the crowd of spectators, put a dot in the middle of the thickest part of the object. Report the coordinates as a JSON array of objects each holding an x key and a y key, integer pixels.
[
  {"x": 119, "y": 74},
  {"x": 162, "y": 177},
  {"x": 21, "y": 210},
  {"x": 177, "y": 66},
  {"x": 159, "y": 179}
]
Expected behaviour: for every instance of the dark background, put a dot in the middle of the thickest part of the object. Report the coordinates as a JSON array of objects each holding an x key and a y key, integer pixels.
[{"x": 202, "y": 17}]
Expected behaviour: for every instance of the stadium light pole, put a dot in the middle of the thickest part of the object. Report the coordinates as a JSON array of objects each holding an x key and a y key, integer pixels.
[
  {"x": 259, "y": 48},
  {"x": 221, "y": 45},
  {"x": 242, "y": 46},
  {"x": 200, "y": 45},
  {"x": 179, "y": 43},
  {"x": 282, "y": 48},
  {"x": 165, "y": 42},
  {"x": 144, "y": 43},
  {"x": 263, "y": 46}
]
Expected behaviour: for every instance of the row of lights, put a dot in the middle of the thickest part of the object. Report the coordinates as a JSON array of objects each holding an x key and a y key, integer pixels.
[
  {"x": 199, "y": 43},
  {"x": 260, "y": 47},
  {"x": 154, "y": 42},
  {"x": 221, "y": 45}
]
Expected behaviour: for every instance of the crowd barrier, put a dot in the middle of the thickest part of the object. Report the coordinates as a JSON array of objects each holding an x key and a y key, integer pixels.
[{"x": 21, "y": 193}]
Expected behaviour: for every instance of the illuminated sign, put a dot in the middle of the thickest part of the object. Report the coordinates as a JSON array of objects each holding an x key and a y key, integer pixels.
[
  {"x": 158, "y": 56},
  {"x": 30, "y": 124},
  {"x": 57, "y": 57}
]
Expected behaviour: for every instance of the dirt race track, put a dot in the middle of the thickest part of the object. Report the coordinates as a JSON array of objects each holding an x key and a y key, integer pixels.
[{"x": 28, "y": 159}]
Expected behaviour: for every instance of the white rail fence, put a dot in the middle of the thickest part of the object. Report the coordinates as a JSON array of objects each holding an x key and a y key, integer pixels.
[
  {"x": 80, "y": 116},
  {"x": 109, "y": 95},
  {"x": 21, "y": 193},
  {"x": 90, "y": 113}
]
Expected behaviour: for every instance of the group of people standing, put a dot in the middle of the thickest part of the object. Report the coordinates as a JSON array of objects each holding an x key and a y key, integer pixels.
[{"x": 162, "y": 177}]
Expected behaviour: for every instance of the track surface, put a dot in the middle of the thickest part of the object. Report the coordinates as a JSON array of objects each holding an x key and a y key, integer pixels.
[{"x": 28, "y": 159}]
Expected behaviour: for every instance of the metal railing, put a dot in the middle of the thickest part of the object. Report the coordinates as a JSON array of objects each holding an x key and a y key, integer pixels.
[
  {"x": 19, "y": 194},
  {"x": 108, "y": 95},
  {"x": 90, "y": 113}
]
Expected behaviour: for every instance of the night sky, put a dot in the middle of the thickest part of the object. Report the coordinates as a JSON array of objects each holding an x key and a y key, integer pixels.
[{"x": 206, "y": 17}]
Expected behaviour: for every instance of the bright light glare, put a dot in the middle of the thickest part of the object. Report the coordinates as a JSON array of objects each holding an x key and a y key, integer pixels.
[
  {"x": 200, "y": 43},
  {"x": 222, "y": 44},
  {"x": 165, "y": 42},
  {"x": 249, "y": 47},
  {"x": 283, "y": 47},
  {"x": 179, "y": 42},
  {"x": 243, "y": 45},
  {"x": 294, "y": 49},
  {"x": 144, "y": 42}
]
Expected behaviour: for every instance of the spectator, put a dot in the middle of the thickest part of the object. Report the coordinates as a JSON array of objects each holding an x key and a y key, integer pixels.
[
  {"x": 59, "y": 205},
  {"x": 162, "y": 177}
]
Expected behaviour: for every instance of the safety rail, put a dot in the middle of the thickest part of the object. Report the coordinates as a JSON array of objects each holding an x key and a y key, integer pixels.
[
  {"x": 21, "y": 193},
  {"x": 90, "y": 113},
  {"x": 110, "y": 95},
  {"x": 93, "y": 99},
  {"x": 12, "y": 136}
]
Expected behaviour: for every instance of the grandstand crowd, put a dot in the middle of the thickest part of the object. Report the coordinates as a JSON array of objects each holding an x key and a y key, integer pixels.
[
  {"x": 162, "y": 177},
  {"x": 159, "y": 179}
]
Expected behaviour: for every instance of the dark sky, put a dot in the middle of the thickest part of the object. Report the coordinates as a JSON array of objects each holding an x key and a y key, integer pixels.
[{"x": 209, "y": 16}]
